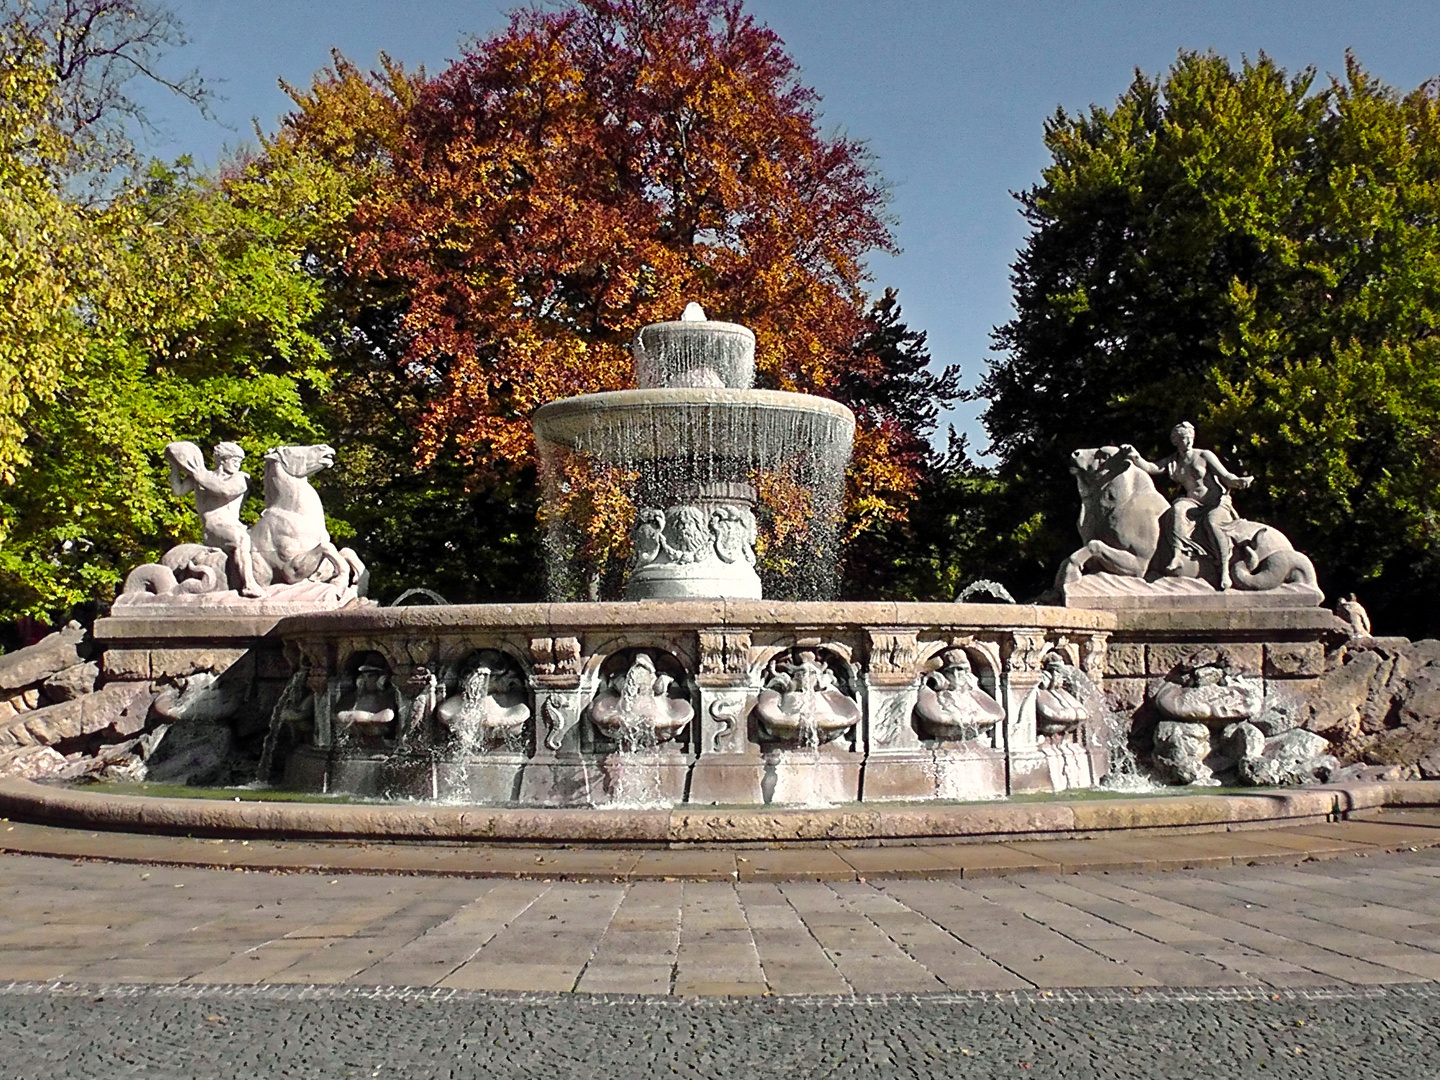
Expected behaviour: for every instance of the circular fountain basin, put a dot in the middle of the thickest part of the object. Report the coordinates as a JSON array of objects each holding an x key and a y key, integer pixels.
[
  {"x": 754, "y": 427},
  {"x": 723, "y": 659}
]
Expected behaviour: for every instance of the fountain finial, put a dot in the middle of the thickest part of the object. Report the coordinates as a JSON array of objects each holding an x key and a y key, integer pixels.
[{"x": 693, "y": 313}]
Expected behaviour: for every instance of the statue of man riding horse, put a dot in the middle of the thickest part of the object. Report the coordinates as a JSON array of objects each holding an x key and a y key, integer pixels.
[{"x": 289, "y": 544}]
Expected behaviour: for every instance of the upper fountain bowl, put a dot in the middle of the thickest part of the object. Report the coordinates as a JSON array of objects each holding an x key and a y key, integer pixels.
[{"x": 694, "y": 352}]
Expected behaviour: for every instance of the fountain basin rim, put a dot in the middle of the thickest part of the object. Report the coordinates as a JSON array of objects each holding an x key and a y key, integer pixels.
[
  {"x": 801, "y": 615},
  {"x": 691, "y": 826},
  {"x": 567, "y": 421}
]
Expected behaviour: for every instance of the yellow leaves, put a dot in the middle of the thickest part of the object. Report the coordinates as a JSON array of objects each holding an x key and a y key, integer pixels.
[
  {"x": 44, "y": 252},
  {"x": 788, "y": 507},
  {"x": 593, "y": 499}
]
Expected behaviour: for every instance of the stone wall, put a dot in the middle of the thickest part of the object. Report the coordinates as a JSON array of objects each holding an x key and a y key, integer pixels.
[
  {"x": 1280, "y": 650},
  {"x": 720, "y": 656},
  {"x": 191, "y": 702},
  {"x": 1375, "y": 700}
]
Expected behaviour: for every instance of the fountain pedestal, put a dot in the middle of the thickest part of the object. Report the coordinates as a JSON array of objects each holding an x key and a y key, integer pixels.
[{"x": 733, "y": 669}]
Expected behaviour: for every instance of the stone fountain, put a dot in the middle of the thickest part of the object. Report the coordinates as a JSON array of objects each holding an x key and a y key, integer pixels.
[
  {"x": 696, "y": 451},
  {"x": 714, "y": 667},
  {"x": 695, "y": 688}
]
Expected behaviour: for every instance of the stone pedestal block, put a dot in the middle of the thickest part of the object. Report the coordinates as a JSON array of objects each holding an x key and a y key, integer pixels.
[
  {"x": 727, "y": 780},
  {"x": 1057, "y": 765},
  {"x": 952, "y": 771},
  {"x": 615, "y": 780},
  {"x": 967, "y": 771},
  {"x": 355, "y": 775},
  {"x": 306, "y": 769},
  {"x": 486, "y": 780},
  {"x": 825, "y": 776},
  {"x": 900, "y": 777}
]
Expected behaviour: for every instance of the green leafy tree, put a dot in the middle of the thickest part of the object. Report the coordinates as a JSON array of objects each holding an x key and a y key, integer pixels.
[
  {"x": 42, "y": 247},
  {"x": 163, "y": 306},
  {"x": 1261, "y": 254},
  {"x": 203, "y": 333}
]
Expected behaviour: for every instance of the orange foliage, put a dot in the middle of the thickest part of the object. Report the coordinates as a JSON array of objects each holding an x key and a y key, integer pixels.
[
  {"x": 594, "y": 498},
  {"x": 584, "y": 173}
]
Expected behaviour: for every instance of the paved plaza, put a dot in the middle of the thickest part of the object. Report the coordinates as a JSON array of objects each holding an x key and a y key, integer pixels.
[
  {"x": 1317, "y": 968},
  {"x": 1347, "y": 922}
]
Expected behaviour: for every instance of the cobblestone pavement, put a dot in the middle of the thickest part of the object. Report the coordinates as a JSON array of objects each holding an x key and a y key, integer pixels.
[
  {"x": 266, "y": 1031},
  {"x": 1313, "y": 970}
]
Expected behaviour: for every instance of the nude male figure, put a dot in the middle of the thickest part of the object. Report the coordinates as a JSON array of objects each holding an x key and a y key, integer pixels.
[
  {"x": 218, "y": 495},
  {"x": 1207, "y": 485}
]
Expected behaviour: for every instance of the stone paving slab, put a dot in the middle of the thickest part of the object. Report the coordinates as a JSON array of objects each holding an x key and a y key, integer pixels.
[
  {"x": 1427, "y": 817},
  {"x": 1377, "y": 832},
  {"x": 1372, "y": 921}
]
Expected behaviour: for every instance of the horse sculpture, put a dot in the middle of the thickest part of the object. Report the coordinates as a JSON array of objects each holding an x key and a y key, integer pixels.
[
  {"x": 1123, "y": 519},
  {"x": 290, "y": 541},
  {"x": 288, "y": 545}
]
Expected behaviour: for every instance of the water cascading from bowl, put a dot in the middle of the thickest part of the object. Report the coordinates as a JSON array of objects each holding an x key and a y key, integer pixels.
[{"x": 707, "y": 486}]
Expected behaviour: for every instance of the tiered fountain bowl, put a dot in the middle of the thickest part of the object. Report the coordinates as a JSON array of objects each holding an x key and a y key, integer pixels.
[
  {"x": 694, "y": 688},
  {"x": 705, "y": 465}
]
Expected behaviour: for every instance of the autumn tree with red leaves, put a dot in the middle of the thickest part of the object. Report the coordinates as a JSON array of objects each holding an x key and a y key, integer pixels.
[{"x": 584, "y": 173}]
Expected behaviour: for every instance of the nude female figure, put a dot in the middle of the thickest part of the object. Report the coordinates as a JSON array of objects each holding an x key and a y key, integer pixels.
[{"x": 1207, "y": 485}]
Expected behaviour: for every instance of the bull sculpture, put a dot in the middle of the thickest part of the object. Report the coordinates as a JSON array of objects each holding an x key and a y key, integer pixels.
[{"x": 1128, "y": 528}]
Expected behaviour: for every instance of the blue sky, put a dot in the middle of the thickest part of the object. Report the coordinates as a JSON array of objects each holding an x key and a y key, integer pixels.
[{"x": 951, "y": 97}]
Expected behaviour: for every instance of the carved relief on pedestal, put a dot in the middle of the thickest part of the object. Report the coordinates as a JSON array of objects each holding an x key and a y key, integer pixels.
[
  {"x": 418, "y": 691},
  {"x": 724, "y": 652},
  {"x": 725, "y": 712},
  {"x": 556, "y": 656},
  {"x": 365, "y": 715},
  {"x": 293, "y": 715},
  {"x": 487, "y": 709},
  {"x": 895, "y": 655},
  {"x": 322, "y": 696},
  {"x": 557, "y": 718},
  {"x": 641, "y": 706},
  {"x": 1093, "y": 651},
  {"x": 694, "y": 551},
  {"x": 952, "y": 704},
  {"x": 1023, "y": 652},
  {"x": 888, "y": 719}
]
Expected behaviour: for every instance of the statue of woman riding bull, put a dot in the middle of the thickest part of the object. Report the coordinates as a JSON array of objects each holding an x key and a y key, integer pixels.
[{"x": 1131, "y": 531}]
